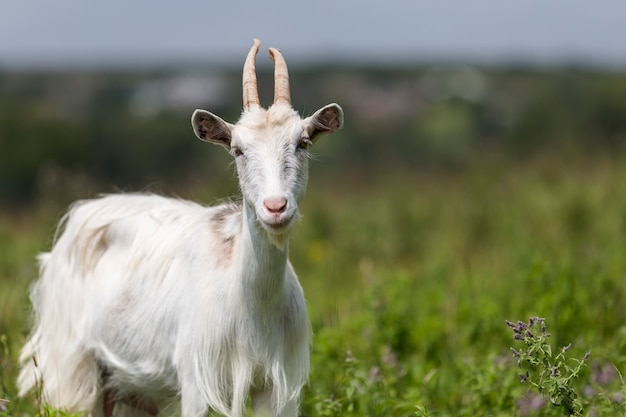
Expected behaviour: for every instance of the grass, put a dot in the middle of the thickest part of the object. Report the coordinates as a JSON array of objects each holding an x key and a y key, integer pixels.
[{"x": 410, "y": 280}]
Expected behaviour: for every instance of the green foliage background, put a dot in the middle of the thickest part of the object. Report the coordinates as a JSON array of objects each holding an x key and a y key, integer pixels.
[{"x": 424, "y": 228}]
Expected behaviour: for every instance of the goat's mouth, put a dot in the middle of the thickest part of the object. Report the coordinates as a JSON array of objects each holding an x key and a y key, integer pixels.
[{"x": 278, "y": 224}]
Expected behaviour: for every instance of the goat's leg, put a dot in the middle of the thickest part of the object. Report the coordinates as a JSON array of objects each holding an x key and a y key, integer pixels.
[
  {"x": 108, "y": 394},
  {"x": 108, "y": 402},
  {"x": 263, "y": 405},
  {"x": 290, "y": 409},
  {"x": 192, "y": 404},
  {"x": 142, "y": 404},
  {"x": 262, "y": 402}
]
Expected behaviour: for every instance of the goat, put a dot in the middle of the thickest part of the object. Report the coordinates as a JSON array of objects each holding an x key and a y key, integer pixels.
[{"x": 144, "y": 299}]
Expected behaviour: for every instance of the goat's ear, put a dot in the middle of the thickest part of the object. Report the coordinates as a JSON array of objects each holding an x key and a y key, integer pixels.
[
  {"x": 211, "y": 128},
  {"x": 326, "y": 120}
]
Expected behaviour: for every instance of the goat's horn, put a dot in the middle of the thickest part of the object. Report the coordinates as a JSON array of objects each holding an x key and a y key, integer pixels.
[
  {"x": 250, "y": 87},
  {"x": 281, "y": 78}
]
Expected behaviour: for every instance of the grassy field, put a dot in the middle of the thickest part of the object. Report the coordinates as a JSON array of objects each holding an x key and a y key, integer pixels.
[{"x": 410, "y": 280}]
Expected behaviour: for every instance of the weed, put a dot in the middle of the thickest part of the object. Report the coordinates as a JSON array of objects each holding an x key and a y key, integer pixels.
[{"x": 548, "y": 373}]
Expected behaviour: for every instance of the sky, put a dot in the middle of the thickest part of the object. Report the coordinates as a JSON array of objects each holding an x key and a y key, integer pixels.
[{"x": 88, "y": 32}]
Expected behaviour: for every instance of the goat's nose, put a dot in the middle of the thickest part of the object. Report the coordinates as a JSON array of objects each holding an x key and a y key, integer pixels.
[{"x": 275, "y": 205}]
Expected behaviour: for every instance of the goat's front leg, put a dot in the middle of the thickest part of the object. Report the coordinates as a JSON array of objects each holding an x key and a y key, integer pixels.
[
  {"x": 263, "y": 405},
  {"x": 290, "y": 409},
  {"x": 192, "y": 404},
  {"x": 262, "y": 402}
]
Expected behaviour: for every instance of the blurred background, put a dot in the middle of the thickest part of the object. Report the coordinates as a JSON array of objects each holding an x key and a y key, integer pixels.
[{"x": 97, "y": 96}]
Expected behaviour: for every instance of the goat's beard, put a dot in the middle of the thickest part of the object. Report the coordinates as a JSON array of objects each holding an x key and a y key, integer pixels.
[{"x": 279, "y": 236}]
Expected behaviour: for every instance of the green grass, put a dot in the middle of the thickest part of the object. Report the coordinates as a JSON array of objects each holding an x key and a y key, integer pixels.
[{"x": 410, "y": 281}]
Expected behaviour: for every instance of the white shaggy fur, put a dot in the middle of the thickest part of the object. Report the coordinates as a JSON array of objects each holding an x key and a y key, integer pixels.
[{"x": 145, "y": 299}]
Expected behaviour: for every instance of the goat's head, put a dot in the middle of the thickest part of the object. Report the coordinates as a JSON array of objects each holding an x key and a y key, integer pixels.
[{"x": 270, "y": 146}]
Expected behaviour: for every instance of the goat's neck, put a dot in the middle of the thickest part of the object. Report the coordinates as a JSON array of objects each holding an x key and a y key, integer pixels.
[{"x": 264, "y": 260}]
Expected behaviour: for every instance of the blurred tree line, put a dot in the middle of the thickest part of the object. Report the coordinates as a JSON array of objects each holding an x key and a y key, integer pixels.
[{"x": 69, "y": 130}]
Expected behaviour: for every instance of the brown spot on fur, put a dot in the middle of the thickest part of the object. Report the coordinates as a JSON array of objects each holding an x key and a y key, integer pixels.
[
  {"x": 124, "y": 304},
  {"x": 228, "y": 215},
  {"x": 94, "y": 246}
]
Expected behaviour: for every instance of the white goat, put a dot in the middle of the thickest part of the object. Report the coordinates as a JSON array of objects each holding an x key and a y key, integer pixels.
[{"x": 144, "y": 298}]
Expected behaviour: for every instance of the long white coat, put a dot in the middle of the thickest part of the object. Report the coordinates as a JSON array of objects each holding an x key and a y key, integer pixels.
[{"x": 145, "y": 299}]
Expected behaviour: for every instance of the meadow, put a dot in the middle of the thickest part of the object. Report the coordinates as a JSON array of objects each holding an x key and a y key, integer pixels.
[{"x": 410, "y": 279}]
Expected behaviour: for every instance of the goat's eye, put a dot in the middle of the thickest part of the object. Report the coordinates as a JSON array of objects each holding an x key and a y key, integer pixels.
[
  {"x": 304, "y": 143},
  {"x": 236, "y": 151}
]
